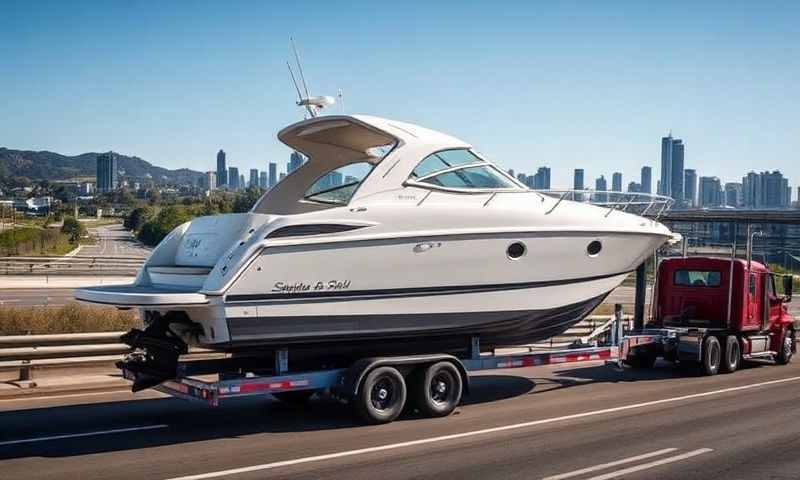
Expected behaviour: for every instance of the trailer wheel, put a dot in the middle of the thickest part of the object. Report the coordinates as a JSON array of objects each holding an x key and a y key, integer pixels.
[
  {"x": 298, "y": 397},
  {"x": 437, "y": 389},
  {"x": 787, "y": 348},
  {"x": 642, "y": 360},
  {"x": 732, "y": 354},
  {"x": 381, "y": 396},
  {"x": 712, "y": 356}
]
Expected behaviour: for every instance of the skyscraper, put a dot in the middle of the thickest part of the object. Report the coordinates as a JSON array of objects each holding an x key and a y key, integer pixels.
[
  {"x": 273, "y": 174},
  {"x": 295, "y": 160},
  {"x": 222, "y": 172},
  {"x": 690, "y": 187},
  {"x": 577, "y": 182},
  {"x": 733, "y": 194},
  {"x": 253, "y": 178},
  {"x": 710, "y": 192},
  {"x": 210, "y": 181},
  {"x": 262, "y": 180},
  {"x": 541, "y": 180},
  {"x": 672, "y": 151},
  {"x": 600, "y": 185},
  {"x": 241, "y": 181},
  {"x": 233, "y": 178},
  {"x": 106, "y": 172},
  {"x": 766, "y": 190},
  {"x": 616, "y": 182},
  {"x": 646, "y": 185}
]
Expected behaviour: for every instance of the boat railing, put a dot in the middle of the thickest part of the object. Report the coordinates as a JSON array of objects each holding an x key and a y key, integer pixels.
[{"x": 644, "y": 204}]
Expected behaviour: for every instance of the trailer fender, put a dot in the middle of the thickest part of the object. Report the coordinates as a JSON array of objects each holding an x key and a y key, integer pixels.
[{"x": 354, "y": 376}]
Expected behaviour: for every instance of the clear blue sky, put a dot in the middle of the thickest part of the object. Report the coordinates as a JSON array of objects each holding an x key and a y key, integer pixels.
[{"x": 562, "y": 84}]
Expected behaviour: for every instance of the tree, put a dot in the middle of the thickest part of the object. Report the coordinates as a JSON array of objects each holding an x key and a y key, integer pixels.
[
  {"x": 154, "y": 230},
  {"x": 245, "y": 201},
  {"x": 73, "y": 228},
  {"x": 137, "y": 218}
]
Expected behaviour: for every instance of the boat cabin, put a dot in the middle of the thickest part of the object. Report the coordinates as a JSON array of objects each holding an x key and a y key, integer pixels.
[{"x": 352, "y": 157}]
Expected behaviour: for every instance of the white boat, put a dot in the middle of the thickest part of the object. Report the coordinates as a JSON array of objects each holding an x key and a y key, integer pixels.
[{"x": 391, "y": 237}]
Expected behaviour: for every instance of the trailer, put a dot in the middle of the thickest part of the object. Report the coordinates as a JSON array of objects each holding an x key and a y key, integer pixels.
[{"x": 378, "y": 388}]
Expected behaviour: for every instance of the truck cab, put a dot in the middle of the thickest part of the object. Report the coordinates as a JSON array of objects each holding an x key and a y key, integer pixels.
[{"x": 715, "y": 313}]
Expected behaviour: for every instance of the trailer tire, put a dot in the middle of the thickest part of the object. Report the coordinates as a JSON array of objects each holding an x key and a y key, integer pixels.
[
  {"x": 299, "y": 397},
  {"x": 381, "y": 396},
  {"x": 787, "y": 348},
  {"x": 642, "y": 360},
  {"x": 732, "y": 355},
  {"x": 712, "y": 356},
  {"x": 437, "y": 389}
]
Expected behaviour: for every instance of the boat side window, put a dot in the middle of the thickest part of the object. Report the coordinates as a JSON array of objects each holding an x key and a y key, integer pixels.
[
  {"x": 338, "y": 186},
  {"x": 444, "y": 160},
  {"x": 460, "y": 169}
]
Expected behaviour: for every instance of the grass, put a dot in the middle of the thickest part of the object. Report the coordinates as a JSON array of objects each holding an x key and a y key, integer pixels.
[
  {"x": 71, "y": 318},
  {"x": 31, "y": 242}
]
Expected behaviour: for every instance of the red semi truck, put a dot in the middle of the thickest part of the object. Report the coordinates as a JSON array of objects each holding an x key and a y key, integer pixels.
[{"x": 714, "y": 313}]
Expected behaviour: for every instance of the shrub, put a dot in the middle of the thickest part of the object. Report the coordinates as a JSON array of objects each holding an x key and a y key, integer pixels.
[{"x": 71, "y": 318}]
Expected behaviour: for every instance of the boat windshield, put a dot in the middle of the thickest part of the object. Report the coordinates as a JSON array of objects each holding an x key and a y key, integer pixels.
[
  {"x": 460, "y": 169},
  {"x": 338, "y": 186}
]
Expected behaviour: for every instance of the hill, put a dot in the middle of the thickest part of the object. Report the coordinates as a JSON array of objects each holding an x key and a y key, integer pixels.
[{"x": 54, "y": 166}]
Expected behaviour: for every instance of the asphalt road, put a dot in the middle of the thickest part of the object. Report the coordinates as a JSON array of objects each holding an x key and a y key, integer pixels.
[
  {"x": 541, "y": 422},
  {"x": 114, "y": 241}
]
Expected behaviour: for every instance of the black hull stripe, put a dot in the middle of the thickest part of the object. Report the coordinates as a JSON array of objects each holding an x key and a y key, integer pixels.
[{"x": 410, "y": 292}]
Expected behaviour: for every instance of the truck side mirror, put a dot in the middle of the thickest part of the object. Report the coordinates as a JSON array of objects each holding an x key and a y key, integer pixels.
[{"x": 787, "y": 287}]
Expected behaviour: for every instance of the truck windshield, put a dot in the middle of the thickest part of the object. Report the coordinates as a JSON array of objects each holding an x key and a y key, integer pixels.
[{"x": 696, "y": 278}]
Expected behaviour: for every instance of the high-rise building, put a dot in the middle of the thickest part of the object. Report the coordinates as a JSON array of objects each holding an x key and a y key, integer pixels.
[
  {"x": 106, "y": 172},
  {"x": 690, "y": 187},
  {"x": 222, "y": 171},
  {"x": 616, "y": 182},
  {"x": 241, "y": 181},
  {"x": 273, "y": 174},
  {"x": 734, "y": 194},
  {"x": 233, "y": 178},
  {"x": 577, "y": 182},
  {"x": 672, "y": 151},
  {"x": 600, "y": 185},
  {"x": 295, "y": 160},
  {"x": 646, "y": 185},
  {"x": 766, "y": 190},
  {"x": 541, "y": 180},
  {"x": 211, "y": 180},
  {"x": 253, "y": 178},
  {"x": 710, "y": 192},
  {"x": 634, "y": 187},
  {"x": 263, "y": 182}
]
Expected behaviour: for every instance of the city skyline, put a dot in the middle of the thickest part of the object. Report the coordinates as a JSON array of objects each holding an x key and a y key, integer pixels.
[{"x": 589, "y": 90}]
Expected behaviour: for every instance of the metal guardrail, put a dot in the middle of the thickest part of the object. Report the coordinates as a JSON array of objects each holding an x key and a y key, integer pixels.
[
  {"x": 69, "y": 265},
  {"x": 645, "y": 204},
  {"x": 25, "y": 353}
]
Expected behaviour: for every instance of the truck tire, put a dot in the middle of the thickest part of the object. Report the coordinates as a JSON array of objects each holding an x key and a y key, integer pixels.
[
  {"x": 437, "y": 389},
  {"x": 787, "y": 348},
  {"x": 298, "y": 397},
  {"x": 381, "y": 396},
  {"x": 712, "y": 356},
  {"x": 732, "y": 355}
]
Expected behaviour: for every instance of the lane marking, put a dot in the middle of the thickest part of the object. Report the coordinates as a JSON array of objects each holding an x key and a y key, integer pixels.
[
  {"x": 645, "y": 466},
  {"x": 603, "y": 466},
  {"x": 72, "y": 395},
  {"x": 77, "y": 435},
  {"x": 456, "y": 436}
]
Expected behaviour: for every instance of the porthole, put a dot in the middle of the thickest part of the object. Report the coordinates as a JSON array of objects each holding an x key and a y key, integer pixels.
[
  {"x": 516, "y": 250},
  {"x": 594, "y": 247}
]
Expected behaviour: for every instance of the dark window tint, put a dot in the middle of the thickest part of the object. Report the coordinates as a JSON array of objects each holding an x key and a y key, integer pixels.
[
  {"x": 442, "y": 160},
  {"x": 697, "y": 278}
]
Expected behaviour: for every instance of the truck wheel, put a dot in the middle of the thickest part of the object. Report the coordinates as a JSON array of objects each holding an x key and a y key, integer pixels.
[
  {"x": 381, "y": 396},
  {"x": 732, "y": 354},
  {"x": 787, "y": 348},
  {"x": 712, "y": 356},
  {"x": 437, "y": 389},
  {"x": 298, "y": 397}
]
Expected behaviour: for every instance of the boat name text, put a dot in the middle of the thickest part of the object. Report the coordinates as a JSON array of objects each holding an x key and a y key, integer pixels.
[{"x": 295, "y": 287}]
